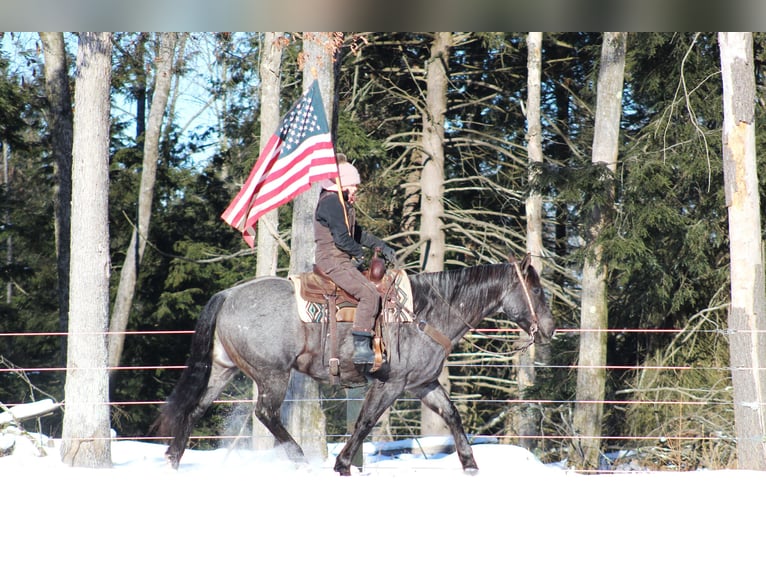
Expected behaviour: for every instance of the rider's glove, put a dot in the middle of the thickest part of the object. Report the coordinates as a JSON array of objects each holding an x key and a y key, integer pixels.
[{"x": 388, "y": 254}]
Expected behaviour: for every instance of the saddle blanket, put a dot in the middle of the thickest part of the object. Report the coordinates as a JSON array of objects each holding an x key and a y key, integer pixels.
[{"x": 396, "y": 295}]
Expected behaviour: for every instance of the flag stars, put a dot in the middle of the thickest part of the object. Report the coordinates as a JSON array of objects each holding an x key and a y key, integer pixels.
[{"x": 299, "y": 124}]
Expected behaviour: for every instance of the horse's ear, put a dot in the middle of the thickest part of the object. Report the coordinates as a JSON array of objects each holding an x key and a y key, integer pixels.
[
  {"x": 526, "y": 262},
  {"x": 512, "y": 259}
]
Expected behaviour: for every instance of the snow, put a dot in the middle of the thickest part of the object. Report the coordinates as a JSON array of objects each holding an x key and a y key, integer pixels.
[
  {"x": 26, "y": 411},
  {"x": 242, "y": 511}
]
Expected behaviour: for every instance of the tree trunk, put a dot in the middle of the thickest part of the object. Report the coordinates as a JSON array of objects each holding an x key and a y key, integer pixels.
[
  {"x": 268, "y": 224},
  {"x": 534, "y": 201},
  {"x": 270, "y": 72},
  {"x": 302, "y": 411},
  {"x": 129, "y": 274},
  {"x": 524, "y": 419},
  {"x": 60, "y": 125},
  {"x": 432, "y": 189},
  {"x": 747, "y": 313},
  {"x": 591, "y": 375},
  {"x": 139, "y": 87},
  {"x": 86, "y": 429}
]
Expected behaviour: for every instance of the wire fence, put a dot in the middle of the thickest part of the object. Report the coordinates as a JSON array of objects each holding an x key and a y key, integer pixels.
[{"x": 665, "y": 445}]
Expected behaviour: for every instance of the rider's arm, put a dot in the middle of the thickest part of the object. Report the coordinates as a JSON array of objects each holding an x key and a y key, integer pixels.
[{"x": 330, "y": 213}]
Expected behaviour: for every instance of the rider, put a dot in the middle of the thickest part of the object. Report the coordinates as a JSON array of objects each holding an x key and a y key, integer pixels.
[{"x": 339, "y": 240}]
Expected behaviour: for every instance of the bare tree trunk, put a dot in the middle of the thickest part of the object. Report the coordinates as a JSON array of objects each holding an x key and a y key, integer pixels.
[
  {"x": 270, "y": 72},
  {"x": 747, "y": 313},
  {"x": 86, "y": 429},
  {"x": 60, "y": 124},
  {"x": 524, "y": 419},
  {"x": 129, "y": 275},
  {"x": 302, "y": 411},
  {"x": 534, "y": 202},
  {"x": 591, "y": 375},
  {"x": 432, "y": 188},
  {"x": 411, "y": 191},
  {"x": 268, "y": 225}
]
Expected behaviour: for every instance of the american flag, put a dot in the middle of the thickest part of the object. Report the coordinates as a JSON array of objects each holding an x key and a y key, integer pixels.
[{"x": 299, "y": 153}]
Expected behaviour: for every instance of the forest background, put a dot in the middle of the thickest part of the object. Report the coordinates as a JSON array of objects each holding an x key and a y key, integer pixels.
[{"x": 666, "y": 249}]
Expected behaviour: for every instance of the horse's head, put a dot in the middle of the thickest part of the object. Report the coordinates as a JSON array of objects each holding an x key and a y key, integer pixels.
[{"x": 526, "y": 305}]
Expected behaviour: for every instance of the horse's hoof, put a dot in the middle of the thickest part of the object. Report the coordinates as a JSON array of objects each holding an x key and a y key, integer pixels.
[
  {"x": 471, "y": 471},
  {"x": 173, "y": 460},
  {"x": 342, "y": 470}
]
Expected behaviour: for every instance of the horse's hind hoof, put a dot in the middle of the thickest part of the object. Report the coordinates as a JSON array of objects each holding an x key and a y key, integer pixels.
[
  {"x": 173, "y": 461},
  {"x": 342, "y": 470},
  {"x": 471, "y": 471}
]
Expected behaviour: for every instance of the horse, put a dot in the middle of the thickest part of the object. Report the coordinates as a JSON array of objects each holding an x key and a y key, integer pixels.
[{"x": 254, "y": 327}]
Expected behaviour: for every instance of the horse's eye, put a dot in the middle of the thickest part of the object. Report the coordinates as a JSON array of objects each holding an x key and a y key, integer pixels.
[{"x": 537, "y": 290}]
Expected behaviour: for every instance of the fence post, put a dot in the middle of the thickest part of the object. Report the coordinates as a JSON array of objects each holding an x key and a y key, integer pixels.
[{"x": 354, "y": 397}]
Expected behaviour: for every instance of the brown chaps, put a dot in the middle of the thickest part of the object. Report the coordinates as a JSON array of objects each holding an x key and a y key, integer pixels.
[{"x": 351, "y": 280}]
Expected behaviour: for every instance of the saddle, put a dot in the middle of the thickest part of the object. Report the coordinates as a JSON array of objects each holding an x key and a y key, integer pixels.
[
  {"x": 316, "y": 286},
  {"x": 320, "y": 300}
]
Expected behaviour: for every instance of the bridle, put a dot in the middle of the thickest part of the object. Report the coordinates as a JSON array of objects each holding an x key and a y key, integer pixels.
[{"x": 533, "y": 327}]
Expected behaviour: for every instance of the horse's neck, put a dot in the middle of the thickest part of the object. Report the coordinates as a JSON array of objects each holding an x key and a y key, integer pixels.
[{"x": 453, "y": 311}]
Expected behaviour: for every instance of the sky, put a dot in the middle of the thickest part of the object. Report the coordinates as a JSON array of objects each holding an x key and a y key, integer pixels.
[
  {"x": 244, "y": 511},
  {"x": 194, "y": 109}
]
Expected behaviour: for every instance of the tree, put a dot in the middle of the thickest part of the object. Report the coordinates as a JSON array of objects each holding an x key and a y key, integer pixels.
[
  {"x": 591, "y": 375},
  {"x": 747, "y": 313},
  {"x": 86, "y": 431},
  {"x": 270, "y": 73},
  {"x": 534, "y": 201},
  {"x": 60, "y": 110},
  {"x": 525, "y": 419},
  {"x": 302, "y": 411},
  {"x": 129, "y": 274},
  {"x": 268, "y": 225},
  {"x": 432, "y": 188}
]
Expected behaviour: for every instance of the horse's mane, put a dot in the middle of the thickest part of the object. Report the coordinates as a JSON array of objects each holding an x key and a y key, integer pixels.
[{"x": 471, "y": 289}]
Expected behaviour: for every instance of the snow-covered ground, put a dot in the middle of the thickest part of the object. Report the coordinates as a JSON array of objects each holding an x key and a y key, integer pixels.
[{"x": 244, "y": 511}]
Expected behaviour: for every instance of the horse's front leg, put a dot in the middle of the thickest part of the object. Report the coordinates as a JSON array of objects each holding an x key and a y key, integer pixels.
[
  {"x": 435, "y": 398},
  {"x": 378, "y": 398}
]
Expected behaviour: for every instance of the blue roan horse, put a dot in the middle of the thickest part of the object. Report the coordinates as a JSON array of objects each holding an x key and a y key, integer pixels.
[{"x": 254, "y": 327}]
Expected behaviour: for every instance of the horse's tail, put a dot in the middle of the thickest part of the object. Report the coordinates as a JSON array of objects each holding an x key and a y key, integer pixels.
[{"x": 174, "y": 419}]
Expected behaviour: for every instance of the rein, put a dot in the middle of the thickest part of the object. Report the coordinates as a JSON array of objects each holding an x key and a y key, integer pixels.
[{"x": 534, "y": 325}]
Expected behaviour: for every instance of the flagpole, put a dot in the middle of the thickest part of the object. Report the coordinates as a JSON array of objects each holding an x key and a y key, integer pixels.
[{"x": 342, "y": 203}]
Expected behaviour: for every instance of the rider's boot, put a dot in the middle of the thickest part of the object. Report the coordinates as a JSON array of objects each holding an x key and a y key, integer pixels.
[{"x": 363, "y": 354}]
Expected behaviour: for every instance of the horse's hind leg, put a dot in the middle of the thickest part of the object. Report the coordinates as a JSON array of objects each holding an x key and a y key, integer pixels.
[
  {"x": 267, "y": 407},
  {"x": 219, "y": 376},
  {"x": 435, "y": 398}
]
